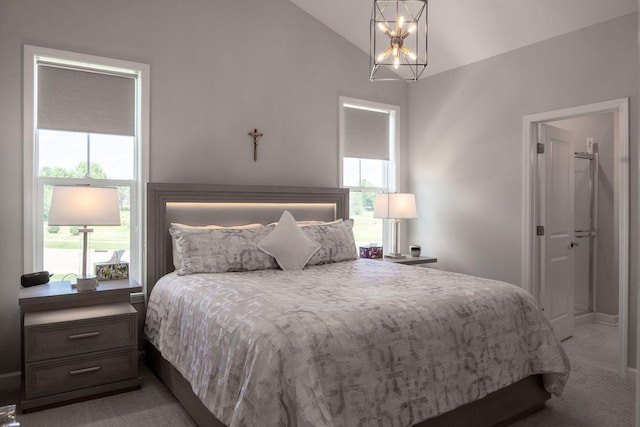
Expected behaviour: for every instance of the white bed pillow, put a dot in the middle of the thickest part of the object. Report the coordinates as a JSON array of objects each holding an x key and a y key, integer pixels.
[
  {"x": 177, "y": 262},
  {"x": 291, "y": 248},
  {"x": 336, "y": 240},
  {"x": 218, "y": 250}
]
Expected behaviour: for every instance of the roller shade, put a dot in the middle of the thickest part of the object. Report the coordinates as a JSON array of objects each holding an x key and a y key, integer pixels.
[
  {"x": 366, "y": 134},
  {"x": 85, "y": 101}
]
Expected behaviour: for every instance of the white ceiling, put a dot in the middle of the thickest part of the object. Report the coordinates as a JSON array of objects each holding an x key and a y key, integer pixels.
[{"x": 466, "y": 31}]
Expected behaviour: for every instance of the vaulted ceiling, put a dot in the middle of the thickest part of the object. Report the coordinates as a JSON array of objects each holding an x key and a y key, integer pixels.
[{"x": 466, "y": 31}]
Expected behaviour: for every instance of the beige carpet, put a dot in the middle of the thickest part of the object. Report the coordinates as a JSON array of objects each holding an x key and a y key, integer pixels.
[
  {"x": 594, "y": 397},
  {"x": 153, "y": 405},
  {"x": 596, "y": 343}
]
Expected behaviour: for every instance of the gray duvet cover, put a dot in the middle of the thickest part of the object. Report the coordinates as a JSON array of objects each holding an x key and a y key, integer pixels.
[{"x": 356, "y": 343}]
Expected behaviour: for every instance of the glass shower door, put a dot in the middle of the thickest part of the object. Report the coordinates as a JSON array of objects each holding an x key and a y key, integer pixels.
[{"x": 585, "y": 233}]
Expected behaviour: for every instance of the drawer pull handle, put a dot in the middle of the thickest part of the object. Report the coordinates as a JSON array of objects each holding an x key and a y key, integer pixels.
[
  {"x": 85, "y": 370},
  {"x": 87, "y": 335}
]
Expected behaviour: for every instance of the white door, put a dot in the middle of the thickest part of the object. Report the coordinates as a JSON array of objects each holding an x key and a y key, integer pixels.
[{"x": 556, "y": 246}]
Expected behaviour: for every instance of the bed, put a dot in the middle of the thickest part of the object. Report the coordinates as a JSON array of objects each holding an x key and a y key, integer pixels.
[{"x": 272, "y": 347}]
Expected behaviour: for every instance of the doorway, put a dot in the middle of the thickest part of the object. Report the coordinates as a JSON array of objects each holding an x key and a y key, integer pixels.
[
  {"x": 593, "y": 336},
  {"x": 597, "y": 302}
]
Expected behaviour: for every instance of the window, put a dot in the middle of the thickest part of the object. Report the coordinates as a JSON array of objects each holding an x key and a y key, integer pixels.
[
  {"x": 368, "y": 154},
  {"x": 84, "y": 124}
]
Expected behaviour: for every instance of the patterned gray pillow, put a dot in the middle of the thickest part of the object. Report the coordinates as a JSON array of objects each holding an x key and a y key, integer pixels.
[
  {"x": 211, "y": 250},
  {"x": 177, "y": 261},
  {"x": 336, "y": 240}
]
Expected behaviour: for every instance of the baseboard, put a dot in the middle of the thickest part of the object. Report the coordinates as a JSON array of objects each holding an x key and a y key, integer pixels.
[
  {"x": 607, "y": 319},
  {"x": 10, "y": 382},
  {"x": 583, "y": 319},
  {"x": 632, "y": 375}
]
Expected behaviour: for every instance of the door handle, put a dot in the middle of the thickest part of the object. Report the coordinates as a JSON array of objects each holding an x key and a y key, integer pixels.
[{"x": 574, "y": 244}]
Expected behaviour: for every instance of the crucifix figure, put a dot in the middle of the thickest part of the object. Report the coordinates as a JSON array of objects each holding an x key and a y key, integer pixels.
[{"x": 255, "y": 134}]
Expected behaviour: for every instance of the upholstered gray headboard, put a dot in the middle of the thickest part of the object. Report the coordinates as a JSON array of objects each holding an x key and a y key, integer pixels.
[{"x": 203, "y": 204}]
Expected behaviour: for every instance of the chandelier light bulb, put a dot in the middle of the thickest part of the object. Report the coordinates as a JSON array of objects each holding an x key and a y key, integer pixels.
[
  {"x": 382, "y": 27},
  {"x": 408, "y": 52},
  {"x": 400, "y": 24},
  {"x": 380, "y": 58},
  {"x": 396, "y": 62}
]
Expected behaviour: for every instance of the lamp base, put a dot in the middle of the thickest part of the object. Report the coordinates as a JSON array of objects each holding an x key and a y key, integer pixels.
[
  {"x": 85, "y": 284},
  {"x": 395, "y": 256}
]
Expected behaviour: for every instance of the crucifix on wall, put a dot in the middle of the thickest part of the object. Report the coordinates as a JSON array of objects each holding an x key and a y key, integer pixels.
[{"x": 255, "y": 134}]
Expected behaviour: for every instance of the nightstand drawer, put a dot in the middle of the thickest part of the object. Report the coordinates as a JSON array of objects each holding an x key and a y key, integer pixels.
[
  {"x": 68, "y": 332},
  {"x": 78, "y": 372}
]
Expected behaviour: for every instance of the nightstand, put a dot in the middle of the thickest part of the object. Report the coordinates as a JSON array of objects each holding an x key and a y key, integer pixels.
[
  {"x": 77, "y": 344},
  {"x": 409, "y": 260}
]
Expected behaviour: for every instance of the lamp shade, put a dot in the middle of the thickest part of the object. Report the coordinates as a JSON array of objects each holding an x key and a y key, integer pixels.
[
  {"x": 395, "y": 206},
  {"x": 83, "y": 205}
]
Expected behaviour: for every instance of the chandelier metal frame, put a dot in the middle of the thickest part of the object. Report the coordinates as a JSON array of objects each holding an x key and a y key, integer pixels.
[{"x": 398, "y": 36}]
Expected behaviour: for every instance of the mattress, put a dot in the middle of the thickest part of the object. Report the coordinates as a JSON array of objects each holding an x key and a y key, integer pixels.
[{"x": 356, "y": 343}]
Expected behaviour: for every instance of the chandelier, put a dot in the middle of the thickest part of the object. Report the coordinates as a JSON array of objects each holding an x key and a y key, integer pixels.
[{"x": 398, "y": 36}]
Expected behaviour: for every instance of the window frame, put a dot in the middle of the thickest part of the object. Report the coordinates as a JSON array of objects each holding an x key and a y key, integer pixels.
[
  {"x": 393, "y": 172},
  {"x": 34, "y": 184}
]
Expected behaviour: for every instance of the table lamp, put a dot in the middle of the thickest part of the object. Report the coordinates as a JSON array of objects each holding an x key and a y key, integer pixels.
[
  {"x": 84, "y": 206},
  {"x": 395, "y": 207}
]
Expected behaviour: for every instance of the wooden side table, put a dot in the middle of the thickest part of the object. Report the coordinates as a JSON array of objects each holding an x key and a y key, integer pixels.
[
  {"x": 409, "y": 260},
  {"x": 77, "y": 344}
]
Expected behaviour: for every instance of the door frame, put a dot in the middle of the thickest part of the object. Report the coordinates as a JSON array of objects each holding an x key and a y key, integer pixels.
[{"x": 530, "y": 261}]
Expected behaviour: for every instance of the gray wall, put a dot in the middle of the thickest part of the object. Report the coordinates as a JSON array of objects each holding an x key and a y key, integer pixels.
[
  {"x": 465, "y": 144},
  {"x": 600, "y": 127},
  {"x": 218, "y": 70}
]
